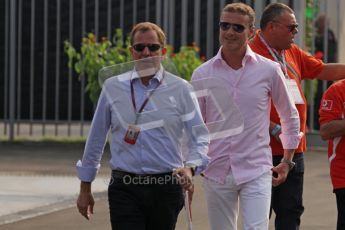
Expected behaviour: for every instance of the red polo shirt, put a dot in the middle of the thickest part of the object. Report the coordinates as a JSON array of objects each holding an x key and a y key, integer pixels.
[
  {"x": 306, "y": 67},
  {"x": 333, "y": 108}
]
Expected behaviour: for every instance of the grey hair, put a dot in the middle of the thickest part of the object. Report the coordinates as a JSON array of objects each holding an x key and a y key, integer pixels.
[{"x": 272, "y": 12}]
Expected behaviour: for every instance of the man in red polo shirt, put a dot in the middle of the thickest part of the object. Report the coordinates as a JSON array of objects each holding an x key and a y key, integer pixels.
[
  {"x": 275, "y": 41},
  {"x": 332, "y": 122}
]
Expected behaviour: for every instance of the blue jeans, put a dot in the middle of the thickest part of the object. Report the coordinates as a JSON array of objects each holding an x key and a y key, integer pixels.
[{"x": 287, "y": 201}]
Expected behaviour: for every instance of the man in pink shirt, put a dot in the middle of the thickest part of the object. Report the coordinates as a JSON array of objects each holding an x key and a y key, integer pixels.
[{"x": 241, "y": 168}]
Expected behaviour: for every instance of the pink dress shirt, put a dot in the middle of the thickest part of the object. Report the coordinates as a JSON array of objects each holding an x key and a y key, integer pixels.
[{"x": 248, "y": 154}]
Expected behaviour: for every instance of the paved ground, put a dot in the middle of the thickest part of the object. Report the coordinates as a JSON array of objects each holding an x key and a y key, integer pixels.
[{"x": 38, "y": 181}]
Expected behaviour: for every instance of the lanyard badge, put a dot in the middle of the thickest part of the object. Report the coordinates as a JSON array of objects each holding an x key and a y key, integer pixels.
[
  {"x": 291, "y": 84},
  {"x": 132, "y": 134},
  {"x": 133, "y": 130},
  {"x": 294, "y": 91}
]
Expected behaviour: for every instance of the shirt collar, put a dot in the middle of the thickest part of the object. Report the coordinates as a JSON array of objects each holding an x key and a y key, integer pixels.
[
  {"x": 158, "y": 76},
  {"x": 249, "y": 55},
  {"x": 258, "y": 44}
]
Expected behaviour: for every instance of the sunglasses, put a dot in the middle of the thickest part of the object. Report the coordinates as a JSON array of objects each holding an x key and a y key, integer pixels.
[
  {"x": 291, "y": 27},
  {"x": 225, "y": 26},
  {"x": 152, "y": 47}
]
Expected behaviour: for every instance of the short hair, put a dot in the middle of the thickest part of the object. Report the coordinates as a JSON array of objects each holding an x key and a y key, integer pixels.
[
  {"x": 145, "y": 26},
  {"x": 241, "y": 8},
  {"x": 272, "y": 12}
]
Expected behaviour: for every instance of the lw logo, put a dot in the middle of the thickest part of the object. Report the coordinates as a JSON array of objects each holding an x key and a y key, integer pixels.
[{"x": 327, "y": 104}]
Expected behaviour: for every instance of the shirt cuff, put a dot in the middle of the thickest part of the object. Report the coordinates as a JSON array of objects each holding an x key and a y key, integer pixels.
[
  {"x": 200, "y": 164},
  {"x": 87, "y": 174},
  {"x": 291, "y": 141}
]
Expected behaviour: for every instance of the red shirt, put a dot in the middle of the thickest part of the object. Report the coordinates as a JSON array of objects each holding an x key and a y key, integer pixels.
[
  {"x": 306, "y": 67},
  {"x": 333, "y": 108}
]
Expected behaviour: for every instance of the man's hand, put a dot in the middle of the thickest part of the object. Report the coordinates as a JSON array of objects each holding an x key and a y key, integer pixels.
[
  {"x": 185, "y": 178},
  {"x": 85, "y": 200},
  {"x": 280, "y": 173},
  {"x": 277, "y": 137},
  {"x": 276, "y": 130}
]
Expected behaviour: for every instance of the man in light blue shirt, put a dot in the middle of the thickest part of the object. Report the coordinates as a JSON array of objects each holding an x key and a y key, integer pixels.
[{"x": 148, "y": 112}]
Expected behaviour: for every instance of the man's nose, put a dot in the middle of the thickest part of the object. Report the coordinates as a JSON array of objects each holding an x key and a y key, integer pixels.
[
  {"x": 146, "y": 51},
  {"x": 230, "y": 30}
]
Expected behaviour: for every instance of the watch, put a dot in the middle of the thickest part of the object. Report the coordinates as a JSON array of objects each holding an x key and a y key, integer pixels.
[{"x": 290, "y": 163}]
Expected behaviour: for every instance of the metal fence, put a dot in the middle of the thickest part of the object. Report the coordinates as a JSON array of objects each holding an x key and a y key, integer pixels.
[{"x": 41, "y": 96}]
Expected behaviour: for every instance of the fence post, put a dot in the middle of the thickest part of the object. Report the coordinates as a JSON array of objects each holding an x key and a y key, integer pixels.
[{"x": 12, "y": 72}]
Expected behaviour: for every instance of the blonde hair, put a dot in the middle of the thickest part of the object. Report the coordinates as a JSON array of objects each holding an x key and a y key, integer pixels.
[
  {"x": 241, "y": 8},
  {"x": 145, "y": 26}
]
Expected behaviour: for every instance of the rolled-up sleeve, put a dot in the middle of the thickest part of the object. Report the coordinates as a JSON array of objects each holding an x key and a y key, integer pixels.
[
  {"x": 287, "y": 111},
  {"x": 88, "y": 167}
]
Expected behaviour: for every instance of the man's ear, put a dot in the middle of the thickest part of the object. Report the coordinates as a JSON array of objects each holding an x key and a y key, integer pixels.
[
  {"x": 252, "y": 31},
  {"x": 270, "y": 25},
  {"x": 164, "y": 51}
]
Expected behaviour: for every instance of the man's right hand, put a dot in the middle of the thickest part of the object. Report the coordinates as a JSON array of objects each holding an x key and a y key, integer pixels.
[
  {"x": 280, "y": 173},
  {"x": 85, "y": 200},
  {"x": 186, "y": 180}
]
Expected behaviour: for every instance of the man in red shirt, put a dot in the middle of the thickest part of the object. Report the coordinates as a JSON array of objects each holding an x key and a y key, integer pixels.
[
  {"x": 332, "y": 122},
  {"x": 275, "y": 41}
]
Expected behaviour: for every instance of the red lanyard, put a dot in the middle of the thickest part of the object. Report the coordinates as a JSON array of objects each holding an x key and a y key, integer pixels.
[{"x": 146, "y": 99}]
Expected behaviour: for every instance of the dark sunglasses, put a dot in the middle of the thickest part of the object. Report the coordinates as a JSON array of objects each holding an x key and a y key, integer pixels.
[
  {"x": 225, "y": 26},
  {"x": 152, "y": 47},
  {"x": 291, "y": 27}
]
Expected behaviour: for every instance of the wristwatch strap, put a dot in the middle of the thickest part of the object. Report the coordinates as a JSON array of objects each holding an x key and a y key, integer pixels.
[{"x": 291, "y": 164}]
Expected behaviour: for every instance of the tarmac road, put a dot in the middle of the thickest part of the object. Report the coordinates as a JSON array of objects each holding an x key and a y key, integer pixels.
[{"x": 58, "y": 159}]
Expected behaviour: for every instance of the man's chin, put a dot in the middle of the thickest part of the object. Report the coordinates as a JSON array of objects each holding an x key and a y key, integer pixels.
[{"x": 288, "y": 46}]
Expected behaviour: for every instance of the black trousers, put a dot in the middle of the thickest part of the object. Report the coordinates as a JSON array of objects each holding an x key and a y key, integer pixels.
[
  {"x": 340, "y": 195},
  {"x": 144, "y": 202},
  {"x": 287, "y": 201}
]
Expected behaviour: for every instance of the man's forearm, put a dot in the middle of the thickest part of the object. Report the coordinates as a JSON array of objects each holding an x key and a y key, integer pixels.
[
  {"x": 332, "y": 71},
  {"x": 288, "y": 154},
  {"x": 85, "y": 186},
  {"x": 332, "y": 129}
]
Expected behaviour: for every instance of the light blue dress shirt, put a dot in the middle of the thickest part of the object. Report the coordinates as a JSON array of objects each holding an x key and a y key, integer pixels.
[{"x": 170, "y": 118}]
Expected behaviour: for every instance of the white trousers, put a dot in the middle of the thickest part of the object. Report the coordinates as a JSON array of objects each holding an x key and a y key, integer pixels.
[{"x": 253, "y": 197}]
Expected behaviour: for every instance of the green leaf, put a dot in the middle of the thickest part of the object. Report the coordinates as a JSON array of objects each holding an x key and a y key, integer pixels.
[{"x": 94, "y": 55}]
